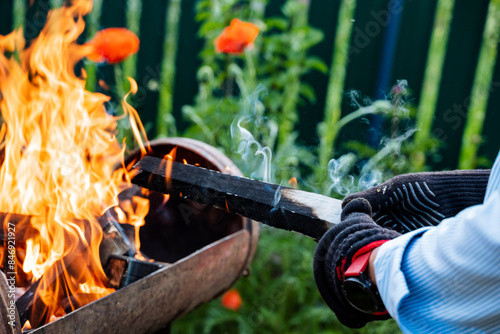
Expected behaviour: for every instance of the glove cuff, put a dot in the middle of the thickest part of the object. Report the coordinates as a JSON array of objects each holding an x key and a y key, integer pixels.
[{"x": 334, "y": 255}]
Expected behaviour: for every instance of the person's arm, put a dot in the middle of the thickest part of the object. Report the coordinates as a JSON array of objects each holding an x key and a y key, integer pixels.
[
  {"x": 370, "y": 271},
  {"x": 446, "y": 279},
  {"x": 401, "y": 204}
]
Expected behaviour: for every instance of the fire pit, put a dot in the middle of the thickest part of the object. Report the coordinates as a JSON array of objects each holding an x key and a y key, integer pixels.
[{"x": 207, "y": 250}]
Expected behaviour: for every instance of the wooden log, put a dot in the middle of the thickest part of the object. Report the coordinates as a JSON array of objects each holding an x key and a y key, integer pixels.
[
  {"x": 281, "y": 207},
  {"x": 114, "y": 240},
  {"x": 121, "y": 271},
  {"x": 57, "y": 282},
  {"x": 124, "y": 270},
  {"x": 25, "y": 302}
]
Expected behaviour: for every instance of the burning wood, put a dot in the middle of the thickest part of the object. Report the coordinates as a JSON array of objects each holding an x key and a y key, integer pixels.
[
  {"x": 59, "y": 174},
  {"x": 281, "y": 207},
  {"x": 60, "y": 188},
  {"x": 124, "y": 270},
  {"x": 113, "y": 242},
  {"x": 210, "y": 253}
]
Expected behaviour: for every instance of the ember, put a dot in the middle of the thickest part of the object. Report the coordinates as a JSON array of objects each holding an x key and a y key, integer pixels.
[{"x": 59, "y": 168}]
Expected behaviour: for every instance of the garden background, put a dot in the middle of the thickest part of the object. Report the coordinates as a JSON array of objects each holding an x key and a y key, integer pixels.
[{"x": 340, "y": 94}]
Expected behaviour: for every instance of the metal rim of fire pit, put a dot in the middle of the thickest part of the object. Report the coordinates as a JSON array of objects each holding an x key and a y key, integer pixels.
[{"x": 149, "y": 304}]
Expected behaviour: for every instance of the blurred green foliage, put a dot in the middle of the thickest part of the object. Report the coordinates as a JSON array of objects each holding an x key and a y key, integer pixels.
[
  {"x": 247, "y": 106},
  {"x": 279, "y": 296}
]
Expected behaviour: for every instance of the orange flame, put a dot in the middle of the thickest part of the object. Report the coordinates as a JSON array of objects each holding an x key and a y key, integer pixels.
[
  {"x": 169, "y": 159},
  {"x": 293, "y": 182},
  {"x": 60, "y": 158}
]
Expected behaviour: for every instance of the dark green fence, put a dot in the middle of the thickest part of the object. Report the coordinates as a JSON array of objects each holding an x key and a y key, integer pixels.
[{"x": 445, "y": 49}]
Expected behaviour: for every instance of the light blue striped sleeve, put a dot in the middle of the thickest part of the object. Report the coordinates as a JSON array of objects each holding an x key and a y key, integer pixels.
[{"x": 446, "y": 279}]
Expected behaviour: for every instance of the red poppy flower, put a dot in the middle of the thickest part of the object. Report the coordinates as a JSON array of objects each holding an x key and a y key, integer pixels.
[
  {"x": 232, "y": 300},
  {"x": 236, "y": 37},
  {"x": 113, "y": 45}
]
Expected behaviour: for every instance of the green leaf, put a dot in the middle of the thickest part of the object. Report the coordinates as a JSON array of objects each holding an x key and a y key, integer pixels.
[
  {"x": 202, "y": 16},
  {"x": 277, "y": 23},
  {"x": 315, "y": 63},
  {"x": 307, "y": 91},
  {"x": 306, "y": 37},
  {"x": 210, "y": 28}
]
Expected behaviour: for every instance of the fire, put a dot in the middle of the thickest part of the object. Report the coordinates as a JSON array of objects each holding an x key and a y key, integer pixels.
[
  {"x": 293, "y": 182},
  {"x": 169, "y": 159},
  {"x": 60, "y": 164}
]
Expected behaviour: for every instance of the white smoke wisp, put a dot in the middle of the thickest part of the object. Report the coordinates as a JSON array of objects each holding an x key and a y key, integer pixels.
[
  {"x": 341, "y": 171},
  {"x": 392, "y": 146},
  {"x": 338, "y": 171},
  {"x": 257, "y": 158}
]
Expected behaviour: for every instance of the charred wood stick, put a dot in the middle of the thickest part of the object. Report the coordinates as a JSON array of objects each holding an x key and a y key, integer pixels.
[
  {"x": 34, "y": 309},
  {"x": 281, "y": 207},
  {"x": 13, "y": 220},
  {"x": 57, "y": 282},
  {"x": 124, "y": 270},
  {"x": 121, "y": 271},
  {"x": 113, "y": 241},
  {"x": 24, "y": 303}
]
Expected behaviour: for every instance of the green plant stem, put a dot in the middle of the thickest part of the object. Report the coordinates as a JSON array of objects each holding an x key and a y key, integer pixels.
[
  {"x": 432, "y": 76},
  {"x": 250, "y": 67},
  {"x": 166, "y": 121},
  {"x": 132, "y": 15},
  {"x": 370, "y": 110},
  {"x": 289, "y": 114},
  {"x": 481, "y": 88},
  {"x": 19, "y": 11},
  {"x": 92, "y": 24},
  {"x": 335, "y": 85}
]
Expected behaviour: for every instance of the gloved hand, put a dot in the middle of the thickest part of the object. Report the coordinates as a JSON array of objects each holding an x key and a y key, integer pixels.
[
  {"x": 410, "y": 201},
  {"x": 355, "y": 235}
]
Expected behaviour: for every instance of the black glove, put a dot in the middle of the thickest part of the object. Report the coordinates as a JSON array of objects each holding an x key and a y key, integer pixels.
[
  {"x": 356, "y": 234},
  {"x": 408, "y": 202}
]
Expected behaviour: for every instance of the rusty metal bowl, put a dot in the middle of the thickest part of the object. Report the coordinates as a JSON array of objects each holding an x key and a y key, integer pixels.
[
  {"x": 209, "y": 250},
  {"x": 179, "y": 227}
]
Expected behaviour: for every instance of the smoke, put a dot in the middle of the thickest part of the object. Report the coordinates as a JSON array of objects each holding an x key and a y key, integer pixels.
[
  {"x": 251, "y": 151},
  {"x": 253, "y": 136},
  {"x": 391, "y": 146},
  {"x": 350, "y": 173},
  {"x": 256, "y": 157},
  {"x": 338, "y": 171}
]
